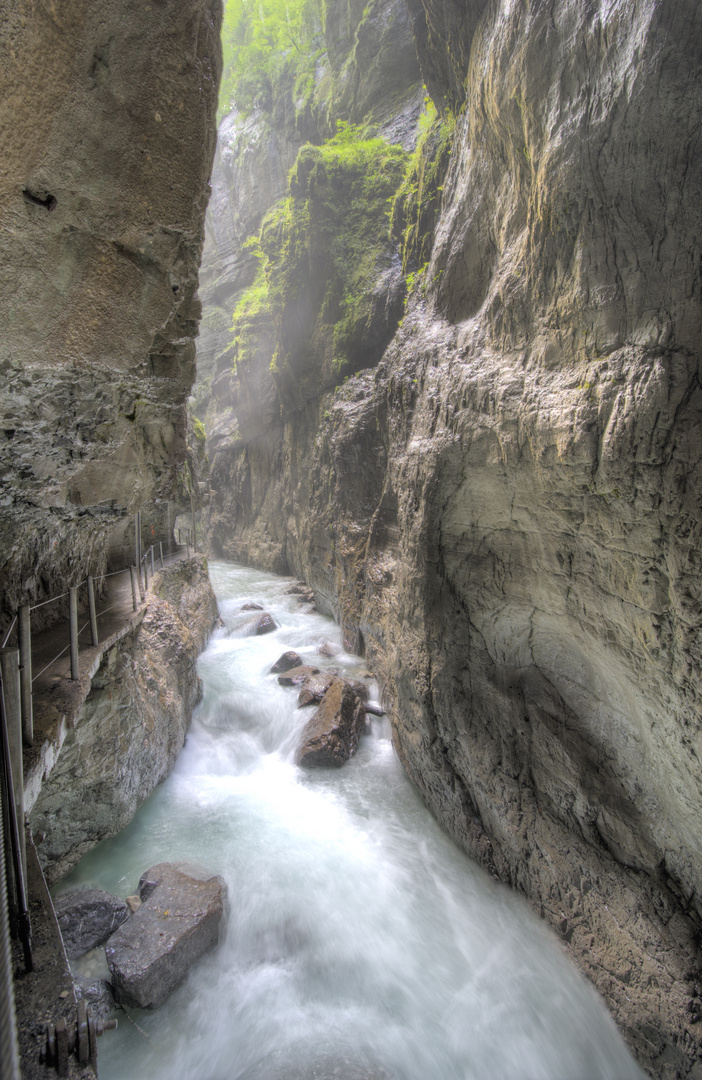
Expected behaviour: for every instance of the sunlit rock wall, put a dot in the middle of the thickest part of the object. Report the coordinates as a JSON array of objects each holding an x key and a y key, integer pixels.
[
  {"x": 505, "y": 512},
  {"x": 107, "y": 117}
]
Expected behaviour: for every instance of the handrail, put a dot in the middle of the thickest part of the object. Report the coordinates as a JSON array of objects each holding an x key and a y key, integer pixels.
[
  {"x": 157, "y": 553},
  {"x": 11, "y": 839}
]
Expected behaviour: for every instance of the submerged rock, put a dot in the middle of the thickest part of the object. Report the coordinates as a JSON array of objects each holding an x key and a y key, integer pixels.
[
  {"x": 288, "y": 660},
  {"x": 177, "y": 922},
  {"x": 297, "y": 675},
  {"x": 262, "y": 624},
  {"x": 251, "y": 607},
  {"x": 331, "y": 736},
  {"x": 328, "y": 649},
  {"x": 87, "y": 917},
  {"x": 97, "y": 993}
]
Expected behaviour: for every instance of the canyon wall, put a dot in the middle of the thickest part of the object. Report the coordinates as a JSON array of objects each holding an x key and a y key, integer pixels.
[
  {"x": 128, "y": 732},
  {"x": 107, "y": 114},
  {"x": 501, "y": 504}
]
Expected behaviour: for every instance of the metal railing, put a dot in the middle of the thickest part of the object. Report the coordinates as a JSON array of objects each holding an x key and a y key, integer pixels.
[{"x": 17, "y": 728}]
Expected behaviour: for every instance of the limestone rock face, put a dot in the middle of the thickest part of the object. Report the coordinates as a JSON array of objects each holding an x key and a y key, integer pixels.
[
  {"x": 185, "y": 586},
  {"x": 107, "y": 112},
  {"x": 87, "y": 917},
  {"x": 331, "y": 737},
  {"x": 178, "y": 921},
  {"x": 504, "y": 513},
  {"x": 129, "y": 731}
]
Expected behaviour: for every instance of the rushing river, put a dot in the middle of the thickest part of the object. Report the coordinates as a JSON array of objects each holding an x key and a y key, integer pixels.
[{"x": 360, "y": 942}]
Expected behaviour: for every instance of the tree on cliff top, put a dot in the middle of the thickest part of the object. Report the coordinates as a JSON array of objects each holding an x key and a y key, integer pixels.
[{"x": 259, "y": 39}]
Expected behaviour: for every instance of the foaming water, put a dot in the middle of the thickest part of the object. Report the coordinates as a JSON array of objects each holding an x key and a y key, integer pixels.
[{"x": 360, "y": 942}]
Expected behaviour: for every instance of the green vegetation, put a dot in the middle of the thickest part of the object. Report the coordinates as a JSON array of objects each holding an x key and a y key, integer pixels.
[
  {"x": 418, "y": 201},
  {"x": 319, "y": 254},
  {"x": 266, "y": 42},
  {"x": 325, "y": 241}
]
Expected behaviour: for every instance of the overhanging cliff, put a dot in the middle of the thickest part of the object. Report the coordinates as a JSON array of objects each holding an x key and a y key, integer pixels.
[{"x": 107, "y": 122}]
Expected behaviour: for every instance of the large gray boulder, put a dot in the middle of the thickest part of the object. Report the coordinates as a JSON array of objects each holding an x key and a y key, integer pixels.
[
  {"x": 314, "y": 688},
  {"x": 178, "y": 921},
  {"x": 87, "y": 917},
  {"x": 331, "y": 736},
  {"x": 297, "y": 675},
  {"x": 288, "y": 660}
]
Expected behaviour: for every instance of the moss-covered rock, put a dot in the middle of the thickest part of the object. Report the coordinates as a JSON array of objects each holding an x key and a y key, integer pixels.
[{"x": 330, "y": 283}]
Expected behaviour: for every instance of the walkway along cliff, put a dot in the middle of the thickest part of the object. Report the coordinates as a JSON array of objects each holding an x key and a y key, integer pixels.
[
  {"x": 107, "y": 113},
  {"x": 476, "y": 436}
]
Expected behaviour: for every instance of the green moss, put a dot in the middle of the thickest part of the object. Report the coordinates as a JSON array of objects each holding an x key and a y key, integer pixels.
[
  {"x": 199, "y": 430},
  {"x": 417, "y": 203},
  {"x": 323, "y": 244}
]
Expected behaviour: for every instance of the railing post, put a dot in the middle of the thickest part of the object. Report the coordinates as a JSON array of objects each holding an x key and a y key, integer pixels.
[
  {"x": 93, "y": 614},
  {"x": 152, "y": 560},
  {"x": 9, "y": 1044},
  {"x": 73, "y": 625},
  {"x": 13, "y": 795},
  {"x": 133, "y": 579},
  {"x": 160, "y": 548},
  {"x": 9, "y": 664},
  {"x": 137, "y": 538},
  {"x": 192, "y": 515},
  {"x": 146, "y": 574},
  {"x": 25, "y": 668}
]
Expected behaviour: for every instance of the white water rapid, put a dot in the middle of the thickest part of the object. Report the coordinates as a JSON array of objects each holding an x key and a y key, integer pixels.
[{"x": 360, "y": 943}]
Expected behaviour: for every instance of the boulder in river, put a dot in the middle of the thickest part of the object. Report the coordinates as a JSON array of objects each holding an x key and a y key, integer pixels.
[
  {"x": 314, "y": 688},
  {"x": 288, "y": 660},
  {"x": 331, "y": 736},
  {"x": 359, "y": 688},
  {"x": 260, "y": 624},
  {"x": 87, "y": 917},
  {"x": 297, "y": 675},
  {"x": 178, "y": 921},
  {"x": 327, "y": 649},
  {"x": 251, "y": 607}
]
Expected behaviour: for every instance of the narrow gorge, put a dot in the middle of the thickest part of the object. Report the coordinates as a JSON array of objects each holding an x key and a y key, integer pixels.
[{"x": 449, "y": 309}]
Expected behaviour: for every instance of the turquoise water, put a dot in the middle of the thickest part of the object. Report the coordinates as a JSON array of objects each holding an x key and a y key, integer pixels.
[{"x": 360, "y": 943}]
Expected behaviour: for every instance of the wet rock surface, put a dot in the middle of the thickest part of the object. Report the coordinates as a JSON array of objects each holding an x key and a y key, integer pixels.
[
  {"x": 177, "y": 922},
  {"x": 331, "y": 737},
  {"x": 288, "y": 660},
  {"x": 260, "y": 624},
  {"x": 314, "y": 688},
  {"x": 97, "y": 994},
  {"x": 87, "y": 917},
  {"x": 297, "y": 675}
]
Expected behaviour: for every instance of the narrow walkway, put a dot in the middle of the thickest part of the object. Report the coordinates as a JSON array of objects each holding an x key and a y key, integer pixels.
[{"x": 56, "y": 697}]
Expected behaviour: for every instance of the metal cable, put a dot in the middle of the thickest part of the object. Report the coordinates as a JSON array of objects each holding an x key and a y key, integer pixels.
[
  {"x": 99, "y": 614},
  {"x": 7, "y": 635},
  {"x": 50, "y": 663},
  {"x": 45, "y": 602}
]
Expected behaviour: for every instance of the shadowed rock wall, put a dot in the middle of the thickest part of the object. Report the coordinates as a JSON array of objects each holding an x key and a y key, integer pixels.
[
  {"x": 107, "y": 118},
  {"x": 505, "y": 512},
  {"x": 130, "y": 729}
]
